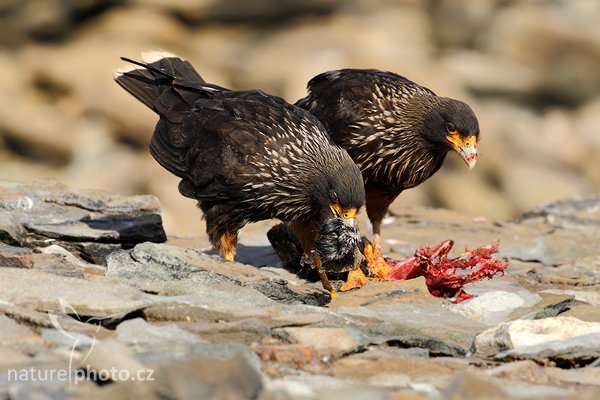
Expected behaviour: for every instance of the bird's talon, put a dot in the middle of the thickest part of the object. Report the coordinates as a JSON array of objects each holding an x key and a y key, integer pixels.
[{"x": 356, "y": 279}]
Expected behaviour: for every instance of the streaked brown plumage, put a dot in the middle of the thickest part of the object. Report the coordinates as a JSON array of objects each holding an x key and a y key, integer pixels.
[
  {"x": 396, "y": 131},
  {"x": 245, "y": 156}
]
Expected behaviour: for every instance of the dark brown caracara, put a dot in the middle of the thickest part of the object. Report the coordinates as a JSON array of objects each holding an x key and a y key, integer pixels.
[
  {"x": 396, "y": 131},
  {"x": 245, "y": 156}
]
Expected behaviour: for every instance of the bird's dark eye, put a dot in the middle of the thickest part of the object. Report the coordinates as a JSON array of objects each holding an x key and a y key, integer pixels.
[
  {"x": 334, "y": 197},
  {"x": 451, "y": 128}
]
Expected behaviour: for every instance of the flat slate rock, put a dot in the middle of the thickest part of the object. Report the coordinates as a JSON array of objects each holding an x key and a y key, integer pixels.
[
  {"x": 46, "y": 209},
  {"x": 19, "y": 337},
  {"x": 326, "y": 341},
  {"x": 583, "y": 211},
  {"x": 211, "y": 326},
  {"x": 575, "y": 351},
  {"x": 403, "y": 313},
  {"x": 48, "y": 292},
  {"x": 161, "y": 267},
  {"x": 11, "y": 231},
  {"x": 138, "y": 330},
  {"x": 558, "y": 338},
  {"x": 15, "y": 257}
]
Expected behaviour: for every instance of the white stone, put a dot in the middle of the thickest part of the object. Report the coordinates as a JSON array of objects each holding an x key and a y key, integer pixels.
[
  {"x": 495, "y": 306},
  {"x": 522, "y": 333}
]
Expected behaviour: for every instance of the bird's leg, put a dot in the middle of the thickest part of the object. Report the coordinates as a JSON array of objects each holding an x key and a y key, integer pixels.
[
  {"x": 377, "y": 234},
  {"x": 306, "y": 234},
  {"x": 377, "y": 203},
  {"x": 324, "y": 279},
  {"x": 227, "y": 245}
]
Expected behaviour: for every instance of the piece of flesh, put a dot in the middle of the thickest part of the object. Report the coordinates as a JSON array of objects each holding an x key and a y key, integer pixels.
[{"x": 440, "y": 272}]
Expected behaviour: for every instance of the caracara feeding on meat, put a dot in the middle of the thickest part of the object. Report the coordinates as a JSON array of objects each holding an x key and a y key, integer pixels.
[
  {"x": 396, "y": 131},
  {"x": 245, "y": 156}
]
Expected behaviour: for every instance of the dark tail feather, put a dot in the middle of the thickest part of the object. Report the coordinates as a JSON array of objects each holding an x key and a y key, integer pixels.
[
  {"x": 157, "y": 73},
  {"x": 169, "y": 86}
]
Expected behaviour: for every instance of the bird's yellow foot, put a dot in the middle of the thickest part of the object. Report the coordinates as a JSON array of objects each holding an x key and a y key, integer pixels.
[
  {"x": 378, "y": 267},
  {"x": 327, "y": 285},
  {"x": 356, "y": 279}
]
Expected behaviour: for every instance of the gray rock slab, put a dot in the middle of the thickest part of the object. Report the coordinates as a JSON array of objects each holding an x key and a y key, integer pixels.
[
  {"x": 15, "y": 257},
  {"x": 188, "y": 309},
  {"x": 41, "y": 291},
  {"x": 572, "y": 213},
  {"x": 549, "y": 338},
  {"x": 468, "y": 385},
  {"x": 320, "y": 386},
  {"x": 19, "y": 337},
  {"x": 36, "y": 378},
  {"x": 392, "y": 370},
  {"x": 55, "y": 320},
  {"x": 137, "y": 330},
  {"x": 49, "y": 210},
  {"x": 326, "y": 341},
  {"x": 58, "y": 260},
  {"x": 244, "y": 331},
  {"x": 550, "y": 306},
  {"x": 531, "y": 239},
  {"x": 577, "y": 350},
  {"x": 404, "y": 313},
  {"x": 69, "y": 340},
  {"x": 574, "y": 231},
  {"x": 11, "y": 232},
  {"x": 556, "y": 247},
  {"x": 10, "y": 358},
  {"x": 588, "y": 376},
  {"x": 161, "y": 353},
  {"x": 214, "y": 294},
  {"x": 204, "y": 377},
  {"x": 579, "y": 271},
  {"x": 591, "y": 297},
  {"x": 494, "y": 307},
  {"x": 197, "y": 377},
  {"x": 113, "y": 354},
  {"x": 162, "y": 267},
  {"x": 584, "y": 312}
]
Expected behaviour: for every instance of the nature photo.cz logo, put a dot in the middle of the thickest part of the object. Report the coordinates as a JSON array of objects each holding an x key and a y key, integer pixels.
[{"x": 79, "y": 343}]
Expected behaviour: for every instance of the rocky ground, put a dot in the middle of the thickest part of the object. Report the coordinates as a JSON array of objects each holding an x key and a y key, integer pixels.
[
  {"x": 529, "y": 70},
  {"x": 91, "y": 295}
]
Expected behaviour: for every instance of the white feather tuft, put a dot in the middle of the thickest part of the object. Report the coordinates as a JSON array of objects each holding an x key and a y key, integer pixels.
[
  {"x": 156, "y": 55},
  {"x": 117, "y": 73}
]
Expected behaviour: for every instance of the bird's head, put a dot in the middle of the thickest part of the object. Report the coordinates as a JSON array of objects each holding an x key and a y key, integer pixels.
[
  {"x": 452, "y": 125},
  {"x": 344, "y": 210},
  {"x": 341, "y": 194}
]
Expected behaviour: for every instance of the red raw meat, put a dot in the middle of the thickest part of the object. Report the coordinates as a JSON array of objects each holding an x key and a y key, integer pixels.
[{"x": 440, "y": 271}]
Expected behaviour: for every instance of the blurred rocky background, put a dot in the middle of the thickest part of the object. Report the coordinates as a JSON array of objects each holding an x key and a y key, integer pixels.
[{"x": 529, "y": 69}]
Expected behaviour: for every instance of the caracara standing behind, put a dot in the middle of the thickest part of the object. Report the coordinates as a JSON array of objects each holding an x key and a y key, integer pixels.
[
  {"x": 397, "y": 132},
  {"x": 245, "y": 156}
]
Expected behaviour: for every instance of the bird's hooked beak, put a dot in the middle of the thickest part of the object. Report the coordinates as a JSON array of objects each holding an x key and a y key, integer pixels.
[
  {"x": 347, "y": 215},
  {"x": 466, "y": 146}
]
